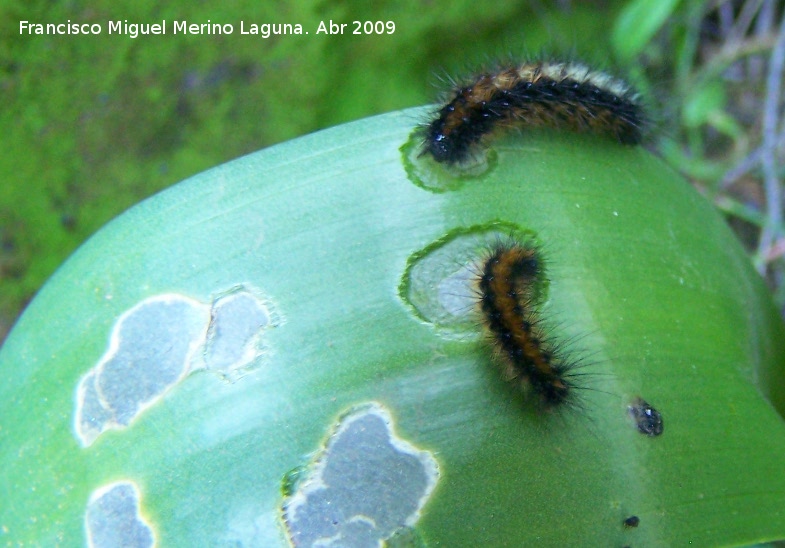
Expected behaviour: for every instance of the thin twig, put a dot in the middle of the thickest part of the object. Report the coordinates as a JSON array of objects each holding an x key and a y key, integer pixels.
[
  {"x": 776, "y": 251},
  {"x": 749, "y": 163},
  {"x": 742, "y": 24},
  {"x": 771, "y": 183}
]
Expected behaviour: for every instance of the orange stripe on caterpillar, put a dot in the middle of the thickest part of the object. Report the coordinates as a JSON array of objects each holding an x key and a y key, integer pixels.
[{"x": 506, "y": 282}]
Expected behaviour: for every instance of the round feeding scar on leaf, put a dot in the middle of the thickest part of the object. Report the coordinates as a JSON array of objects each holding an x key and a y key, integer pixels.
[{"x": 555, "y": 94}]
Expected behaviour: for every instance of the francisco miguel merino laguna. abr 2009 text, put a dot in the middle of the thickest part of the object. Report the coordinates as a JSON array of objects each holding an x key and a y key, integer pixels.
[{"x": 132, "y": 30}]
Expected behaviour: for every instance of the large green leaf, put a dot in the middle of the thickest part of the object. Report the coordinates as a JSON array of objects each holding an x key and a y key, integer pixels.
[{"x": 199, "y": 350}]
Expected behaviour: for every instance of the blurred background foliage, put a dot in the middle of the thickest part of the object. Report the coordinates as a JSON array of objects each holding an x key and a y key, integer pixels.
[{"x": 94, "y": 124}]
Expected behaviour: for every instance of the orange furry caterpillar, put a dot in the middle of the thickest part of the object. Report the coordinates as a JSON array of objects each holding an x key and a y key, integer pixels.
[
  {"x": 505, "y": 282},
  {"x": 535, "y": 94}
]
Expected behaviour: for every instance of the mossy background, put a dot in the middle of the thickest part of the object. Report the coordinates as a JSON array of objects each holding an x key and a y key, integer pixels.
[{"x": 94, "y": 124}]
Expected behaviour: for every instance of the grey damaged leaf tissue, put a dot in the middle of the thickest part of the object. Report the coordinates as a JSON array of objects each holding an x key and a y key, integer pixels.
[
  {"x": 113, "y": 518},
  {"x": 157, "y": 343},
  {"x": 366, "y": 486},
  {"x": 236, "y": 319}
]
